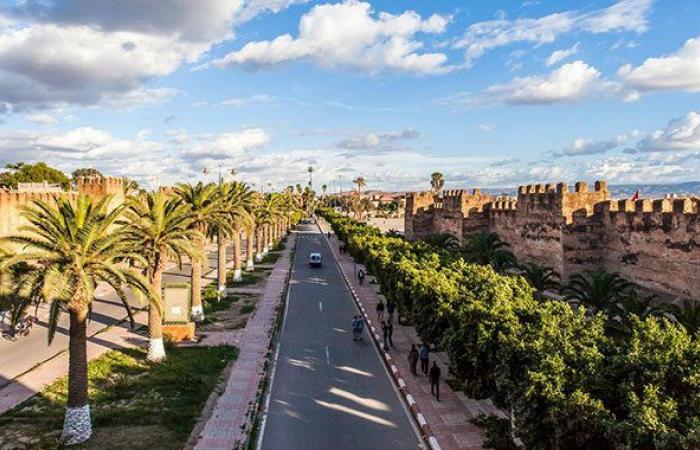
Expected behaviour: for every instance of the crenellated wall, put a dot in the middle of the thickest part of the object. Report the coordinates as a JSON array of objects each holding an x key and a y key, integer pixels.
[
  {"x": 655, "y": 243},
  {"x": 12, "y": 201}
]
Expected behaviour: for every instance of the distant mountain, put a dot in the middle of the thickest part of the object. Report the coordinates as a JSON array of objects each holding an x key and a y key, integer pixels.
[{"x": 689, "y": 188}]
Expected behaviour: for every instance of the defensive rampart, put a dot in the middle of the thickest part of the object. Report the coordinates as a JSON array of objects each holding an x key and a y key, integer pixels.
[{"x": 653, "y": 242}]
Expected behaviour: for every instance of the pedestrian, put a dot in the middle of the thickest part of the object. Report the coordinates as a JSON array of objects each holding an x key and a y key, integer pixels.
[
  {"x": 380, "y": 311},
  {"x": 329, "y": 235},
  {"x": 413, "y": 358},
  {"x": 385, "y": 334},
  {"x": 390, "y": 332},
  {"x": 390, "y": 308},
  {"x": 360, "y": 327},
  {"x": 355, "y": 327},
  {"x": 361, "y": 276},
  {"x": 435, "y": 380},
  {"x": 424, "y": 354}
]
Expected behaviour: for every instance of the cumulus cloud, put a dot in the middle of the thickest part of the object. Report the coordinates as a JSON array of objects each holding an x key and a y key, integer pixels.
[
  {"x": 350, "y": 35},
  {"x": 623, "y": 16},
  {"x": 679, "y": 70},
  {"x": 54, "y": 53},
  {"x": 681, "y": 134},
  {"x": 224, "y": 145},
  {"x": 571, "y": 82},
  {"x": 42, "y": 119},
  {"x": 582, "y": 146},
  {"x": 560, "y": 55},
  {"x": 379, "y": 141}
]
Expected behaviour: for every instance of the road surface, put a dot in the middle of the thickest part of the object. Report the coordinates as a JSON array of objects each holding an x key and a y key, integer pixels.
[
  {"x": 16, "y": 357},
  {"x": 329, "y": 392}
]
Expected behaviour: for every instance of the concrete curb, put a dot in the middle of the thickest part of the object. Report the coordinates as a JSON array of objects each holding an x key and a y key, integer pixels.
[{"x": 396, "y": 375}]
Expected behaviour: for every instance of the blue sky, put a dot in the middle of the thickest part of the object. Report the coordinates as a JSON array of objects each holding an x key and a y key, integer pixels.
[{"x": 494, "y": 93}]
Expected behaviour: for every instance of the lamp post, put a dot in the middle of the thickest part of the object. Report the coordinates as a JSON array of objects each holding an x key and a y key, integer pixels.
[{"x": 221, "y": 250}]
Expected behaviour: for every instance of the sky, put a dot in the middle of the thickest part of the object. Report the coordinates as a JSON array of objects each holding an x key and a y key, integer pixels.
[{"x": 490, "y": 93}]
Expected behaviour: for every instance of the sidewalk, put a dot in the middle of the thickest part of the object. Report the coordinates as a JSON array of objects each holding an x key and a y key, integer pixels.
[
  {"x": 229, "y": 422},
  {"x": 448, "y": 419},
  {"x": 46, "y": 372}
]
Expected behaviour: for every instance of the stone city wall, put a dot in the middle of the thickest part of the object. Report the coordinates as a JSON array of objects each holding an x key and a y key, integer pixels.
[
  {"x": 654, "y": 243},
  {"x": 12, "y": 201}
]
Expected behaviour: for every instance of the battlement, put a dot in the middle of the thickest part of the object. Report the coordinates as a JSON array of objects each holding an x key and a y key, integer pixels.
[
  {"x": 11, "y": 203},
  {"x": 100, "y": 186},
  {"x": 417, "y": 201}
]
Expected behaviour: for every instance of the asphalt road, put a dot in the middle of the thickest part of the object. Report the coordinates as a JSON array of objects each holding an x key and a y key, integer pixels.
[
  {"x": 329, "y": 392},
  {"x": 16, "y": 357}
]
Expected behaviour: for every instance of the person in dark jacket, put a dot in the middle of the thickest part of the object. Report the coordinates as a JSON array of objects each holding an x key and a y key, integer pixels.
[
  {"x": 435, "y": 380},
  {"x": 380, "y": 311},
  {"x": 361, "y": 276},
  {"x": 390, "y": 308},
  {"x": 413, "y": 358},
  {"x": 423, "y": 353},
  {"x": 385, "y": 334}
]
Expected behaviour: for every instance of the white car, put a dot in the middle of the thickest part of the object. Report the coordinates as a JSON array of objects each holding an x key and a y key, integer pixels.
[{"x": 315, "y": 260}]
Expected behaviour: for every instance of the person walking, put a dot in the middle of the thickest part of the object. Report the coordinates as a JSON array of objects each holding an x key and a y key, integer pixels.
[
  {"x": 390, "y": 308},
  {"x": 355, "y": 327},
  {"x": 390, "y": 333},
  {"x": 413, "y": 358},
  {"x": 380, "y": 311},
  {"x": 435, "y": 380},
  {"x": 424, "y": 354},
  {"x": 385, "y": 334},
  {"x": 360, "y": 327},
  {"x": 361, "y": 276}
]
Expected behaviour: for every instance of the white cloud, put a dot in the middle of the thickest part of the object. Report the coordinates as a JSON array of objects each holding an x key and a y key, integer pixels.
[
  {"x": 623, "y": 16},
  {"x": 253, "y": 8},
  {"x": 677, "y": 71},
  {"x": 571, "y": 82},
  {"x": 582, "y": 146},
  {"x": 224, "y": 145},
  {"x": 350, "y": 35},
  {"x": 681, "y": 134},
  {"x": 560, "y": 55},
  {"x": 42, "y": 119},
  {"x": 382, "y": 141},
  {"x": 487, "y": 127}
]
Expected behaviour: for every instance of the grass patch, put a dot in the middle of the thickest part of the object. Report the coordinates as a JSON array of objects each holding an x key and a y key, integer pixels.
[
  {"x": 249, "y": 278},
  {"x": 247, "y": 309},
  {"x": 271, "y": 258},
  {"x": 134, "y": 404},
  {"x": 280, "y": 245}
]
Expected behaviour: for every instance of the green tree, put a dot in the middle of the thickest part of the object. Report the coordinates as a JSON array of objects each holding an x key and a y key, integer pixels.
[
  {"x": 437, "y": 181},
  {"x": 361, "y": 183},
  {"x": 236, "y": 199},
  {"x": 71, "y": 247},
  {"x": 541, "y": 278},
  {"x": 596, "y": 290},
  {"x": 687, "y": 314},
  {"x": 488, "y": 248},
  {"x": 158, "y": 227},
  {"x": 632, "y": 304},
  {"x": 85, "y": 172},
  {"x": 32, "y": 173},
  {"x": 204, "y": 205},
  {"x": 445, "y": 241}
]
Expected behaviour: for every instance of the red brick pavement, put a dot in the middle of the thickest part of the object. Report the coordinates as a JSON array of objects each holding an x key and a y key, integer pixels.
[
  {"x": 228, "y": 424},
  {"x": 447, "y": 421}
]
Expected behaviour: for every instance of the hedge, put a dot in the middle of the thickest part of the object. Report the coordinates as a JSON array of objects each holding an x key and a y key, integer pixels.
[{"x": 566, "y": 384}]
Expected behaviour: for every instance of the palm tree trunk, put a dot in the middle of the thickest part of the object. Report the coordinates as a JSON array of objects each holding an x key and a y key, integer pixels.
[
  {"x": 196, "y": 280},
  {"x": 76, "y": 425},
  {"x": 258, "y": 243},
  {"x": 266, "y": 239},
  {"x": 237, "y": 256},
  {"x": 250, "y": 241},
  {"x": 221, "y": 260},
  {"x": 156, "y": 349}
]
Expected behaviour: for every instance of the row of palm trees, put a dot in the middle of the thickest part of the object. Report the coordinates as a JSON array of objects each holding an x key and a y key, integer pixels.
[
  {"x": 68, "y": 247},
  {"x": 594, "y": 290}
]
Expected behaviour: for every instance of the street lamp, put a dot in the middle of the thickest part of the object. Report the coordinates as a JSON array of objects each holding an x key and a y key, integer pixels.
[{"x": 231, "y": 171}]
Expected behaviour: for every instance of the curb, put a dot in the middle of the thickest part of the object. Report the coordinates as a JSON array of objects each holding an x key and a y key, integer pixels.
[{"x": 396, "y": 375}]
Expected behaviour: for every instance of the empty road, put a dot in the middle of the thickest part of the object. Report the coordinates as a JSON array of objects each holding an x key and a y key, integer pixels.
[{"x": 329, "y": 392}]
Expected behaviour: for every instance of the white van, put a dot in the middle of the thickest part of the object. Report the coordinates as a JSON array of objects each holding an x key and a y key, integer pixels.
[{"x": 315, "y": 260}]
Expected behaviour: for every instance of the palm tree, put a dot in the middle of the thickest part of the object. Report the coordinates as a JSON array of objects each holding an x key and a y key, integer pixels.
[
  {"x": 488, "y": 248},
  {"x": 324, "y": 188},
  {"x": 360, "y": 182},
  {"x": 596, "y": 290},
  {"x": 70, "y": 247},
  {"x": 237, "y": 199},
  {"x": 437, "y": 182},
  {"x": 445, "y": 241},
  {"x": 631, "y": 303},
  {"x": 542, "y": 278},
  {"x": 204, "y": 205},
  {"x": 159, "y": 228},
  {"x": 688, "y": 315}
]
